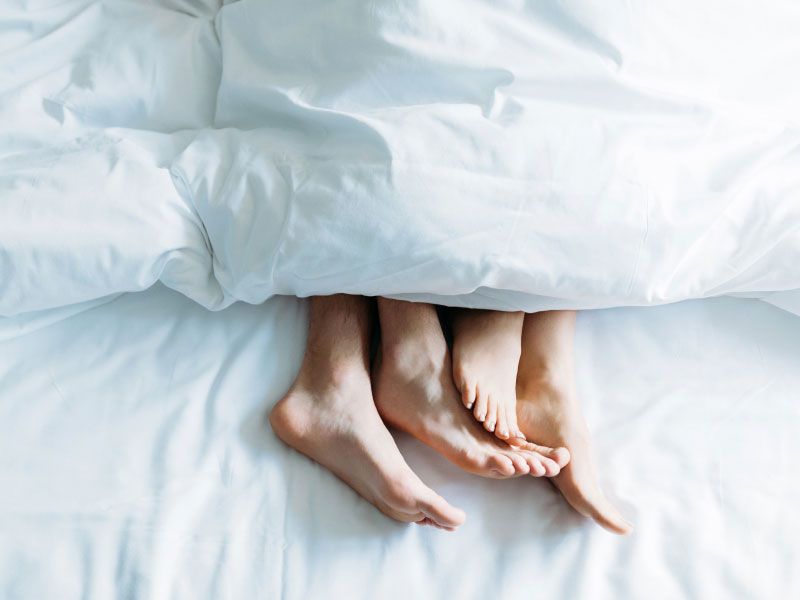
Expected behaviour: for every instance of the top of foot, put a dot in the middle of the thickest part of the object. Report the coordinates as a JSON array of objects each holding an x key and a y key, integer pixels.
[
  {"x": 486, "y": 352},
  {"x": 414, "y": 392}
]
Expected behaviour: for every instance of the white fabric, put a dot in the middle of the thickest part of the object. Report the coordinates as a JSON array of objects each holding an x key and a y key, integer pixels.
[
  {"x": 520, "y": 156},
  {"x": 137, "y": 463}
]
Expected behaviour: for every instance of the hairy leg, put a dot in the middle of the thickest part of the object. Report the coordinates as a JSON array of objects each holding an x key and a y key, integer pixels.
[
  {"x": 414, "y": 391},
  {"x": 548, "y": 411},
  {"x": 330, "y": 416},
  {"x": 486, "y": 350}
]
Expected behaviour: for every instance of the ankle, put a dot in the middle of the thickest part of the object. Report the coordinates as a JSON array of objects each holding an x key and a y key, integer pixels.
[
  {"x": 331, "y": 370},
  {"x": 422, "y": 352},
  {"x": 550, "y": 375}
]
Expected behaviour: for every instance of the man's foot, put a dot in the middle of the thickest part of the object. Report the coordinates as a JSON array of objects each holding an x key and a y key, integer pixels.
[
  {"x": 548, "y": 411},
  {"x": 329, "y": 415},
  {"x": 414, "y": 392},
  {"x": 331, "y": 418},
  {"x": 486, "y": 349}
]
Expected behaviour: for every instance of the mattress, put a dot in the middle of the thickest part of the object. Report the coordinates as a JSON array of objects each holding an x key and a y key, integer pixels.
[{"x": 137, "y": 462}]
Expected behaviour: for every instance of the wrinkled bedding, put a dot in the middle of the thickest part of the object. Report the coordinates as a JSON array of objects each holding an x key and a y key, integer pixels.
[
  {"x": 136, "y": 462},
  {"x": 523, "y": 156}
]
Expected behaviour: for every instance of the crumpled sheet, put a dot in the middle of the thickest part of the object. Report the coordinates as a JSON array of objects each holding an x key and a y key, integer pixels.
[
  {"x": 522, "y": 156},
  {"x": 136, "y": 462}
]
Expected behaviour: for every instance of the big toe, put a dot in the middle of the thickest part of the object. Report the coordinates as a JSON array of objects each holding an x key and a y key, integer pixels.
[
  {"x": 560, "y": 456},
  {"x": 441, "y": 512},
  {"x": 584, "y": 495}
]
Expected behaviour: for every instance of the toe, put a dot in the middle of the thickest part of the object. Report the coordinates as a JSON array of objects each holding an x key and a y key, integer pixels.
[
  {"x": 479, "y": 410},
  {"x": 609, "y": 518},
  {"x": 491, "y": 414},
  {"x": 560, "y": 456},
  {"x": 502, "y": 465},
  {"x": 511, "y": 419},
  {"x": 551, "y": 469},
  {"x": 537, "y": 469},
  {"x": 404, "y": 515},
  {"x": 501, "y": 430},
  {"x": 468, "y": 394},
  {"x": 521, "y": 466},
  {"x": 439, "y": 511},
  {"x": 431, "y": 523},
  {"x": 517, "y": 442},
  {"x": 585, "y": 496},
  {"x": 406, "y": 498}
]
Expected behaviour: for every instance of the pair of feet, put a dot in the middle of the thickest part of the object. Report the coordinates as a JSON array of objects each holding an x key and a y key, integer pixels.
[{"x": 336, "y": 409}]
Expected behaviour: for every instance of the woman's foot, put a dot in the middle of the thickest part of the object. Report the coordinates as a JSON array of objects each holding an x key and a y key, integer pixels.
[
  {"x": 414, "y": 392},
  {"x": 486, "y": 349},
  {"x": 329, "y": 415},
  {"x": 548, "y": 411}
]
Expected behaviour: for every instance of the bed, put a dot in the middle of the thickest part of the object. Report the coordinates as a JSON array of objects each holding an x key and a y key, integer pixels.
[{"x": 137, "y": 461}]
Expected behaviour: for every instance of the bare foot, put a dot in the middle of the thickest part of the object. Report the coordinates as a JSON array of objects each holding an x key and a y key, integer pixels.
[
  {"x": 486, "y": 349},
  {"x": 333, "y": 420},
  {"x": 329, "y": 415},
  {"x": 414, "y": 392},
  {"x": 548, "y": 411}
]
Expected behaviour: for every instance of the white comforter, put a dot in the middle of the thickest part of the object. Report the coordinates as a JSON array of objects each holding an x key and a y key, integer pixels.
[{"x": 501, "y": 154}]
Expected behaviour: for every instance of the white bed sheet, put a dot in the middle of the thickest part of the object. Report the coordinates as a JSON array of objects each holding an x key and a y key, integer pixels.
[{"x": 136, "y": 462}]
